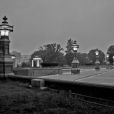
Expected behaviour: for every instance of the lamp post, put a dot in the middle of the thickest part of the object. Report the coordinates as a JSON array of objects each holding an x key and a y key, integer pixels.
[
  {"x": 5, "y": 58},
  {"x": 13, "y": 58},
  {"x": 113, "y": 62},
  {"x": 97, "y": 62},
  {"x": 107, "y": 61},
  {"x": 75, "y": 63}
]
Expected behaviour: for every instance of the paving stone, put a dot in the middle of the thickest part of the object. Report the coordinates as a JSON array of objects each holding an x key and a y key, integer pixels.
[{"x": 69, "y": 77}]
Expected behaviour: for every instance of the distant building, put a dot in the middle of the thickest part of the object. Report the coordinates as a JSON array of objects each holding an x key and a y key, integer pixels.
[
  {"x": 36, "y": 61},
  {"x": 25, "y": 58},
  {"x": 19, "y": 59},
  {"x": 16, "y": 58}
]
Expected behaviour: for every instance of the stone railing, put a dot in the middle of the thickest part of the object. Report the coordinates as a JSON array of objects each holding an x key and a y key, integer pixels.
[{"x": 37, "y": 71}]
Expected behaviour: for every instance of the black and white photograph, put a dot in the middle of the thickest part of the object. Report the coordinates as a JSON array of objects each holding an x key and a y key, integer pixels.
[{"x": 56, "y": 56}]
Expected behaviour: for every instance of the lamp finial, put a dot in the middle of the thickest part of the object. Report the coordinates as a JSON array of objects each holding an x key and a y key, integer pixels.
[{"x": 5, "y": 20}]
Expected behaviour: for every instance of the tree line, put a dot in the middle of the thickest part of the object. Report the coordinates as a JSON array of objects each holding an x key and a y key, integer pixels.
[{"x": 54, "y": 53}]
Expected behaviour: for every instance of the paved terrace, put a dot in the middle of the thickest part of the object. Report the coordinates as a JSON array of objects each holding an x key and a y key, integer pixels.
[
  {"x": 106, "y": 78},
  {"x": 86, "y": 75},
  {"x": 98, "y": 84},
  {"x": 89, "y": 82}
]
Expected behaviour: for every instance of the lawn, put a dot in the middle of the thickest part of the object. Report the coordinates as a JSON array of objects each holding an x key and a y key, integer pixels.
[{"x": 17, "y": 98}]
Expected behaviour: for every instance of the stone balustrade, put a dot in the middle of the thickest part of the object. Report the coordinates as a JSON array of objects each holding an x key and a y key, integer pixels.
[{"x": 37, "y": 71}]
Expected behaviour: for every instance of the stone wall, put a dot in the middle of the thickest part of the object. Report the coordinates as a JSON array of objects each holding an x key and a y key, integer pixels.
[{"x": 37, "y": 71}]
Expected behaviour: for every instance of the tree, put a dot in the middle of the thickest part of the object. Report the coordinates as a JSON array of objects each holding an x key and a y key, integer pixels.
[
  {"x": 110, "y": 51},
  {"x": 53, "y": 52},
  {"x": 69, "y": 52},
  {"x": 69, "y": 46},
  {"x": 50, "y": 53},
  {"x": 69, "y": 57},
  {"x": 40, "y": 53},
  {"x": 92, "y": 56},
  {"x": 25, "y": 64},
  {"x": 83, "y": 58}
]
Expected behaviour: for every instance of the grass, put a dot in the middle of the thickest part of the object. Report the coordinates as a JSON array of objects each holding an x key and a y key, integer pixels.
[{"x": 16, "y": 98}]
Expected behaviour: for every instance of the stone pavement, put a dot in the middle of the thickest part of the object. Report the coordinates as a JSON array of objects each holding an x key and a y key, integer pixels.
[
  {"x": 85, "y": 76},
  {"x": 106, "y": 78},
  {"x": 97, "y": 84}
]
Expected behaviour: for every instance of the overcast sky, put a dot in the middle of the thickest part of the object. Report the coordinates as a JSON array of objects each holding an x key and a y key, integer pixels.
[{"x": 38, "y": 22}]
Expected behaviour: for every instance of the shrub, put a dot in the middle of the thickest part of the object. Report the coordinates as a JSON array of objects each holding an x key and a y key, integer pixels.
[{"x": 49, "y": 64}]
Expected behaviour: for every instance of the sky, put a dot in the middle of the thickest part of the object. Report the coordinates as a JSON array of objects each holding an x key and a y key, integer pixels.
[{"x": 39, "y": 22}]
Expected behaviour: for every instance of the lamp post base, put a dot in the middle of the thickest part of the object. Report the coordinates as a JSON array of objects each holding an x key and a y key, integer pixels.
[
  {"x": 107, "y": 67},
  {"x": 75, "y": 71},
  {"x": 97, "y": 67}
]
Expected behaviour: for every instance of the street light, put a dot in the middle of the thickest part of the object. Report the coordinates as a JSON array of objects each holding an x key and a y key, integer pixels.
[
  {"x": 107, "y": 56},
  {"x": 113, "y": 60},
  {"x": 13, "y": 58},
  {"x": 107, "y": 61},
  {"x": 5, "y": 29},
  {"x": 97, "y": 62},
  {"x": 75, "y": 63}
]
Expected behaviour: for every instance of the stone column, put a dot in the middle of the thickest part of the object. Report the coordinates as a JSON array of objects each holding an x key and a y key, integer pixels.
[
  {"x": 38, "y": 65},
  {"x": 32, "y": 63}
]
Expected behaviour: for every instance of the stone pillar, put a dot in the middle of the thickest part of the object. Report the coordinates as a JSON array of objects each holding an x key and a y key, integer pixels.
[
  {"x": 6, "y": 62},
  {"x": 38, "y": 64},
  {"x": 32, "y": 63}
]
